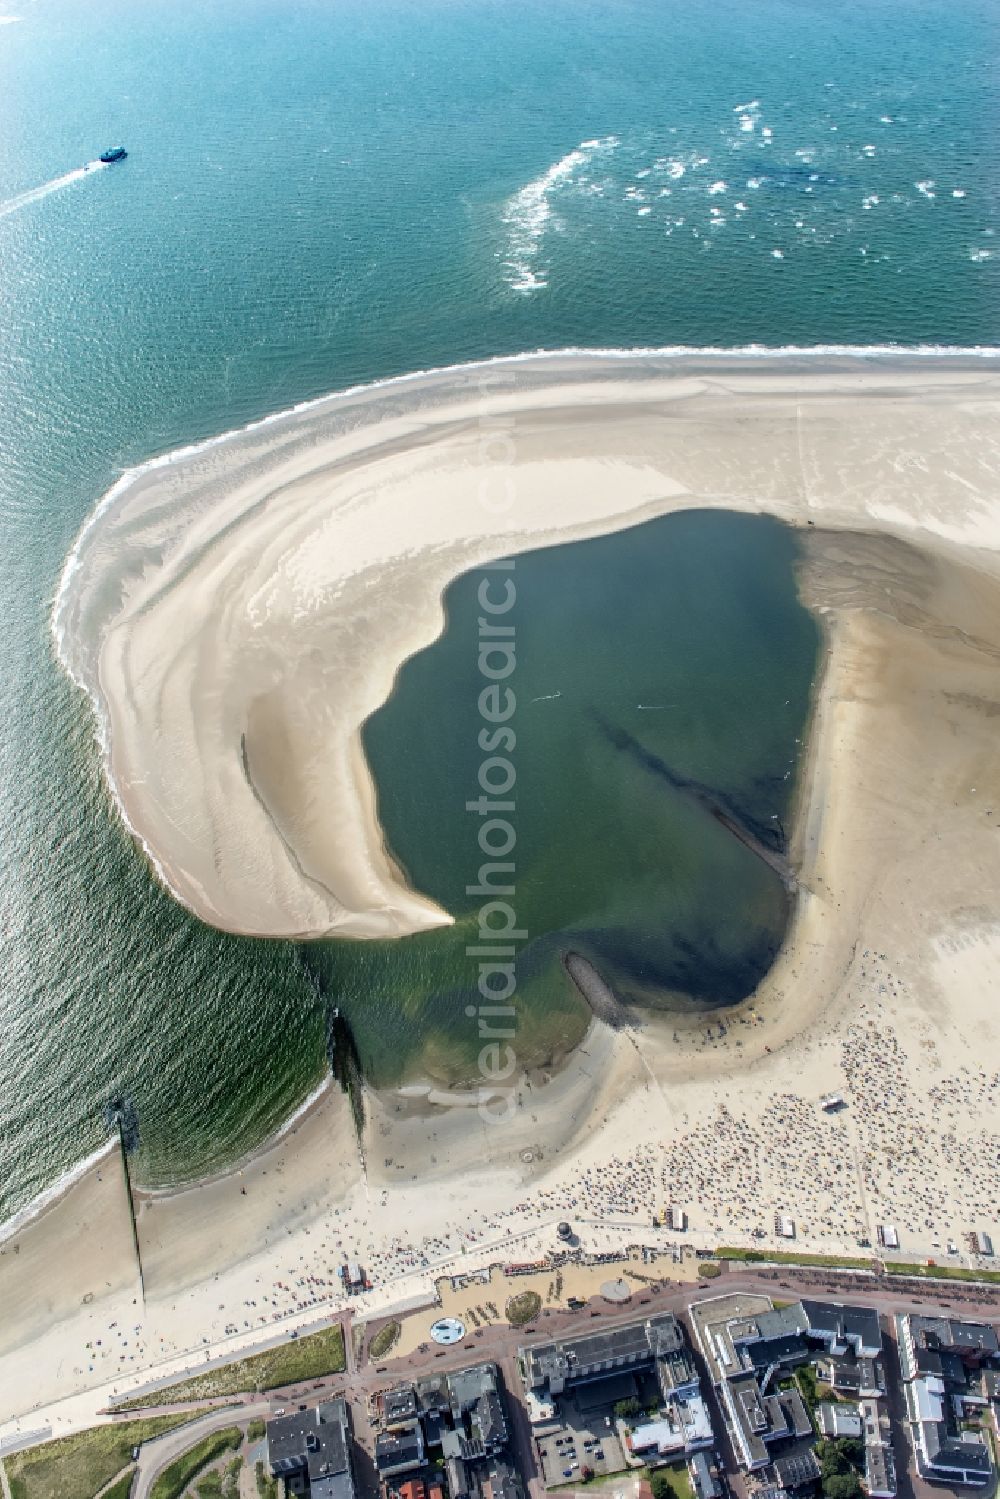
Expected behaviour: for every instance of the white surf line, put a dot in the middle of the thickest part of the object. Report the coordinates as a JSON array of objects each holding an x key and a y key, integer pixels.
[{"x": 36, "y": 194}]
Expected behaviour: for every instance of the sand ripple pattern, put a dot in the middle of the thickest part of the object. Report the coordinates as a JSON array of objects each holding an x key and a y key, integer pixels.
[{"x": 236, "y": 611}]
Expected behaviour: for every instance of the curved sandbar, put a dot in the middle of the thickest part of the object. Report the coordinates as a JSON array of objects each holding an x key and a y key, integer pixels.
[{"x": 237, "y": 611}]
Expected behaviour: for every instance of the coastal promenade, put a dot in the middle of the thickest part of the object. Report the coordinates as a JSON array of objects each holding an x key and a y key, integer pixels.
[
  {"x": 362, "y": 1380},
  {"x": 413, "y": 1295}
]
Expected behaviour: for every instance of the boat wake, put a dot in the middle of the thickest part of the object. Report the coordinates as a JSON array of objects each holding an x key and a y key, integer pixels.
[{"x": 36, "y": 194}]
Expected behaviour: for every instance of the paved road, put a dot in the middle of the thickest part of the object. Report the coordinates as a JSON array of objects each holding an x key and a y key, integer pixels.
[
  {"x": 499, "y": 1342},
  {"x": 156, "y": 1455}
]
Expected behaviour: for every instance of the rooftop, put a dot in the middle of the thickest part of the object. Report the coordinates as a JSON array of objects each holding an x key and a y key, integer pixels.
[
  {"x": 320, "y": 1431},
  {"x": 469, "y": 1385},
  {"x": 838, "y": 1420},
  {"x": 857, "y": 1325},
  {"x": 400, "y": 1450},
  {"x": 946, "y": 1334},
  {"x": 568, "y": 1361},
  {"x": 797, "y": 1469},
  {"x": 399, "y": 1405},
  {"x": 880, "y": 1468}
]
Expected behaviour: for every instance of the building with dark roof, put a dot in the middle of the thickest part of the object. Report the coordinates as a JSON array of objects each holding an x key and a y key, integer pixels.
[
  {"x": 760, "y": 1422},
  {"x": 937, "y": 1338},
  {"x": 313, "y": 1446},
  {"x": 942, "y": 1362},
  {"x": 841, "y": 1327},
  {"x": 704, "y": 1474},
  {"x": 797, "y": 1470},
  {"x": 461, "y": 1416},
  {"x": 466, "y": 1386},
  {"x": 458, "y": 1478},
  {"x": 500, "y": 1481},
  {"x": 944, "y": 1452},
  {"x": 555, "y": 1368},
  {"x": 858, "y": 1378},
  {"x": 789, "y": 1335},
  {"x": 748, "y": 1343},
  {"x": 399, "y": 1405},
  {"x": 766, "y": 1339},
  {"x": 401, "y": 1450},
  {"x": 433, "y": 1394},
  {"x": 880, "y": 1471}
]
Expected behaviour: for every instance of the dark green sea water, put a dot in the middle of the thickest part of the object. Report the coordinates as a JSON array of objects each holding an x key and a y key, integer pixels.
[{"x": 322, "y": 194}]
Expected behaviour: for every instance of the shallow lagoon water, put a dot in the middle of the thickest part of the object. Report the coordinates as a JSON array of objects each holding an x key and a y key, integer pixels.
[{"x": 672, "y": 652}]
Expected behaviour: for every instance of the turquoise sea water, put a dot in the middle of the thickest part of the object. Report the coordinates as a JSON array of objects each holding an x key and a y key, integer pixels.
[{"x": 322, "y": 194}]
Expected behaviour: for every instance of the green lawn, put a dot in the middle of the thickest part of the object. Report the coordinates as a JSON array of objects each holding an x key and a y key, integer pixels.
[
  {"x": 267, "y": 1487},
  {"x": 77, "y": 1467},
  {"x": 386, "y": 1338},
  {"x": 301, "y": 1358},
  {"x": 122, "y": 1488},
  {"x": 791, "y": 1257},
  {"x": 174, "y": 1479},
  {"x": 671, "y": 1482},
  {"x": 943, "y": 1272}
]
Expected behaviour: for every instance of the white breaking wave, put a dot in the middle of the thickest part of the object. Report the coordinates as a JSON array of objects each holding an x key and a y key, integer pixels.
[
  {"x": 58, "y": 1188},
  {"x": 35, "y": 194},
  {"x": 528, "y": 214}
]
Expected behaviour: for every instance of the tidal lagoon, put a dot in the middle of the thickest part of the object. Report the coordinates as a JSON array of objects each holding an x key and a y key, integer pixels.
[{"x": 298, "y": 214}]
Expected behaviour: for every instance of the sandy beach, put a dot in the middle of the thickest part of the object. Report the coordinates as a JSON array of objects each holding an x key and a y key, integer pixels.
[
  {"x": 236, "y": 615},
  {"x": 885, "y": 990}
]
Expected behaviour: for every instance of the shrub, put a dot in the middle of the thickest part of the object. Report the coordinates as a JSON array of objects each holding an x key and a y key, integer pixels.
[
  {"x": 183, "y": 1470},
  {"x": 524, "y": 1308},
  {"x": 79, "y": 1466},
  {"x": 385, "y": 1339},
  {"x": 299, "y": 1358}
]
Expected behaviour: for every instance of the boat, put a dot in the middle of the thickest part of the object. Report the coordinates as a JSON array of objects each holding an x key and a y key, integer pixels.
[{"x": 114, "y": 153}]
